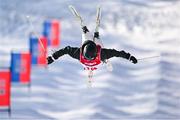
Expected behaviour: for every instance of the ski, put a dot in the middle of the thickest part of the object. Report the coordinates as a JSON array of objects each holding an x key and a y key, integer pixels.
[
  {"x": 98, "y": 17},
  {"x": 76, "y": 14}
]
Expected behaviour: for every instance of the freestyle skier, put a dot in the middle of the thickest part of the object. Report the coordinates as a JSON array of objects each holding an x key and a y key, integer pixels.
[{"x": 92, "y": 52}]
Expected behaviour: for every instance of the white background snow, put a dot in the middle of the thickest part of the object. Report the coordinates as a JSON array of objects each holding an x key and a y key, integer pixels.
[{"x": 147, "y": 90}]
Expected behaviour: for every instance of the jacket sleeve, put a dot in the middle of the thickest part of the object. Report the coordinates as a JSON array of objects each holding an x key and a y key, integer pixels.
[
  {"x": 109, "y": 53},
  {"x": 74, "y": 52}
]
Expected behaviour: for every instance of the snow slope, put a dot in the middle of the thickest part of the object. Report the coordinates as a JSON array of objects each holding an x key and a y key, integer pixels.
[{"x": 148, "y": 90}]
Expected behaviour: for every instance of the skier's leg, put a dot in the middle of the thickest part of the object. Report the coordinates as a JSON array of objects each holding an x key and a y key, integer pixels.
[
  {"x": 97, "y": 39},
  {"x": 86, "y": 35}
]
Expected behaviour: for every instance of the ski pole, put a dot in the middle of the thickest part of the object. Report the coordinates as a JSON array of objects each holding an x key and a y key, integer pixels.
[
  {"x": 33, "y": 29},
  {"x": 148, "y": 58}
]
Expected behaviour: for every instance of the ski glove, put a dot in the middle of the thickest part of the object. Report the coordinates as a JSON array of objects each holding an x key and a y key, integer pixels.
[
  {"x": 50, "y": 60},
  {"x": 133, "y": 59}
]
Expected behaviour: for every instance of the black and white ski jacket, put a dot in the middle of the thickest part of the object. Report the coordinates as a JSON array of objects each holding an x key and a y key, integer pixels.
[{"x": 74, "y": 52}]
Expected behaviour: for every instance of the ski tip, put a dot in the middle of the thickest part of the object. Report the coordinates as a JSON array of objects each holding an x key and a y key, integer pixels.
[
  {"x": 71, "y": 6},
  {"x": 99, "y": 6},
  {"x": 72, "y": 9},
  {"x": 28, "y": 17}
]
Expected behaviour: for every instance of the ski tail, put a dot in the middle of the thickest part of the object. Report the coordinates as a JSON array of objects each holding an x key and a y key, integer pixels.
[{"x": 76, "y": 14}]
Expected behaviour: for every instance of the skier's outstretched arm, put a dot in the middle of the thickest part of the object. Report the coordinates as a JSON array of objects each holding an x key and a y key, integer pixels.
[
  {"x": 109, "y": 53},
  {"x": 72, "y": 51}
]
